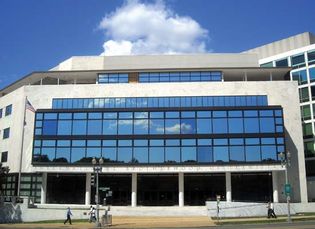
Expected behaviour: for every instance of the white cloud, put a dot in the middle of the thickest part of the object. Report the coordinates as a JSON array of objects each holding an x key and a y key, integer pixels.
[{"x": 143, "y": 28}]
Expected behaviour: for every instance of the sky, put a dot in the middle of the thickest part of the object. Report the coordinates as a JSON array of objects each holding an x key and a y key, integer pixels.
[{"x": 36, "y": 35}]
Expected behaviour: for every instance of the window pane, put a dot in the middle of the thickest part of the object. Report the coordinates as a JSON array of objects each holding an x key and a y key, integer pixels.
[
  {"x": 188, "y": 126},
  {"x": 141, "y": 155},
  {"x": 189, "y": 154},
  {"x": 125, "y": 154},
  {"x": 236, "y": 125},
  {"x": 64, "y": 127},
  {"x": 48, "y": 154},
  {"x": 141, "y": 126},
  {"x": 204, "y": 126},
  {"x": 252, "y": 153},
  {"x": 251, "y": 125},
  {"x": 62, "y": 155},
  {"x": 172, "y": 154},
  {"x": 50, "y": 127},
  {"x": 237, "y": 153},
  {"x": 109, "y": 154},
  {"x": 156, "y": 126},
  {"x": 77, "y": 154},
  {"x": 219, "y": 125},
  {"x": 156, "y": 155},
  {"x": 267, "y": 125},
  {"x": 172, "y": 126},
  {"x": 204, "y": 154},
  {"x": 269, "y": 153},
  {"x": 110, "y": 127},
  {"x": 124, "y": 127},
  {"x": 220, "y": 154},
  {"x": 79, "y": 127}
]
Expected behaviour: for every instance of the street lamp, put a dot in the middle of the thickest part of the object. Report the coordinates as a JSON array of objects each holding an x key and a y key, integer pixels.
[
  {"x": 286, "y": 162},
  {"x": 97, "y": 168}
]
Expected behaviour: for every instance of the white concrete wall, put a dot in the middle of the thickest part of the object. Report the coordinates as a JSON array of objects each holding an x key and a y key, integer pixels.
[
  {"x": 282, "y": 93},
  {"x": 158, "y": 61}
]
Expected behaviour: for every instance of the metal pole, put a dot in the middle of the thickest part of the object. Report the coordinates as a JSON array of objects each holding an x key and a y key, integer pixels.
[
  {"x": 97, "y": 200},
  {"x": 288, "y": 195},
  {"x": 21, "y": 150}
]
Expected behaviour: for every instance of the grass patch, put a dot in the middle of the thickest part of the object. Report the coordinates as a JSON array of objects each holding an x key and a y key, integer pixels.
[{"x": 57, "y": 221}]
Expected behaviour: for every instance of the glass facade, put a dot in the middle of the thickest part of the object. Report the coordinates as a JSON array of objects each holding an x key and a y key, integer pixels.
[
  {"x": 151, "y": 102},
  {"x": 155, "y": 77},
  {"x": 113, "y": 78},
  {"x": 160, "y": 136},
  {"x": 303, "y": 65}
]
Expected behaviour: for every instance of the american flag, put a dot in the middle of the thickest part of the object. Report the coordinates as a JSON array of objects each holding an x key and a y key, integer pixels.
[{"x": 29, "y": 106}]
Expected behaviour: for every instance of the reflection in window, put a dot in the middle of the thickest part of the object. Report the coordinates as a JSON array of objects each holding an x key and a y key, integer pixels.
[
  {"x": 156, "y": 155},
  {"x": 125, "y": 154},
  {"x": 172, "y": 154},
  {"x": 204, "y": 154},
  {"x": 220, "y": 154},
  {"x": 252, "y": 153},
  {"x": 189, "y": 154}
]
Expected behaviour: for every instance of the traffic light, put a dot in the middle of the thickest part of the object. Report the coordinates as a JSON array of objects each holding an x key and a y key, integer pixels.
[{"x": 92, "y": 179}]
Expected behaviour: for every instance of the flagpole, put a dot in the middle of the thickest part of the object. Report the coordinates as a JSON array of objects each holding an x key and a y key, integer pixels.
[{"x": 21, "y": 152}]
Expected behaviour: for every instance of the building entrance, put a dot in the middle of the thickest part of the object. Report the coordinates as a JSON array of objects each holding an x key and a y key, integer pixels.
[
  {"x": 202, "y": 187},
  {"x": 157, "y": 190}
]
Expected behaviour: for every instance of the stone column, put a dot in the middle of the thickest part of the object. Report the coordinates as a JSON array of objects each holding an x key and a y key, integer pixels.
[
  {"x": 88, "y": 189},
  {"x": 43, "y": 189},
  {"x": 275, "y": 186},
  {"x": 181, "y": 189},
  {"x": 134, "y": 190},
  {"x": 228, "y": 186}
]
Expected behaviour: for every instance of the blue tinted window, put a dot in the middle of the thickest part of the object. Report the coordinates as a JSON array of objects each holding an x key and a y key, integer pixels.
[
  {"x": 172, "y": 154},
  {"x": 172, "y": 126},
  {"x": 269, "y": 153},
  {"x": 204, "y": 126},
  {"x": 251, "y": 125},
  {"x": 50, "y": 127},
  {"x": 237, "y": 153},
  {"x": 236, "y": 125},
  {"x": 220, "y": 125},
  {"x": 109, "y": 127},
  {"x": 125, "y": 154},
  {"x": 125, "y": 127},
  {"x": 62, "y": 155},
  {"x": 79, "y": 127},
  {"x": 267, "y": 125},
  {"x": 189, "y": 154},
  {"x": 77, "y": 154},
  {"x": 220, "y": 154},
  {"x": 156, "y": 155},
  {"x": 204, "y": 154},
  {"x": 188, "y": 126},
  {"x": 109, "y": 154},
  {"x": 94, "y": 127},
  {"x": 141, "y": 126},
  {"x": 64, "y": 127},
  {"x": 141, "y": 155},
  {"x": 156, "y": 126},
  {"x": 252, "y": 153}
]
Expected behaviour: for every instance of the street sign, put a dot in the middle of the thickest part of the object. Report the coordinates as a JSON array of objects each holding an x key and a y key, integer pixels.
[{"x": 287, "y": 189}]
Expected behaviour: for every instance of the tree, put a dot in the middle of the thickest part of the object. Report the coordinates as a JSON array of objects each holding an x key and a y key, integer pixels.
[{"x": 4, "y": 170}]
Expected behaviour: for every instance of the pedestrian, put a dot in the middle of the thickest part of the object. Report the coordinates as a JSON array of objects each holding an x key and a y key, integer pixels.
[
  {"x": 271, "y": 212},
  {"x": 69, "y": 214},
  {"x": 92, "y": 214}
]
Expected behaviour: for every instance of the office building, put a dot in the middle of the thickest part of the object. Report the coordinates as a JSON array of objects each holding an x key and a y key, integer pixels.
[
  {"x": 173, "y": 130},
  {"x": 298, "y": 52}
]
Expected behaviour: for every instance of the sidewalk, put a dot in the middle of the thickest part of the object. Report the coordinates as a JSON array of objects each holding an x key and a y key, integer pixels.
[
  {"x": 162, "y": 222},
  {"x": 128, "y": 222}
]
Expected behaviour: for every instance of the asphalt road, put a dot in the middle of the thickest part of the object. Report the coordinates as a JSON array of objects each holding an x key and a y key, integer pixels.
[{"x": 294, "y": 225}]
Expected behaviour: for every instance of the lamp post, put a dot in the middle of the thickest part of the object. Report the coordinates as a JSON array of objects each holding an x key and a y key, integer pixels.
[
  {"x": 97, "y": 168},
  {"x": 286, "y": 162}
]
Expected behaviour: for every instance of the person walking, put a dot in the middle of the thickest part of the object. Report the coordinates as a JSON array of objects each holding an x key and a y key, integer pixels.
[
  {"x": 69, "y": 214},
  {"x": 271, "y": 212},
  {"x": 92, "y": 214}
]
